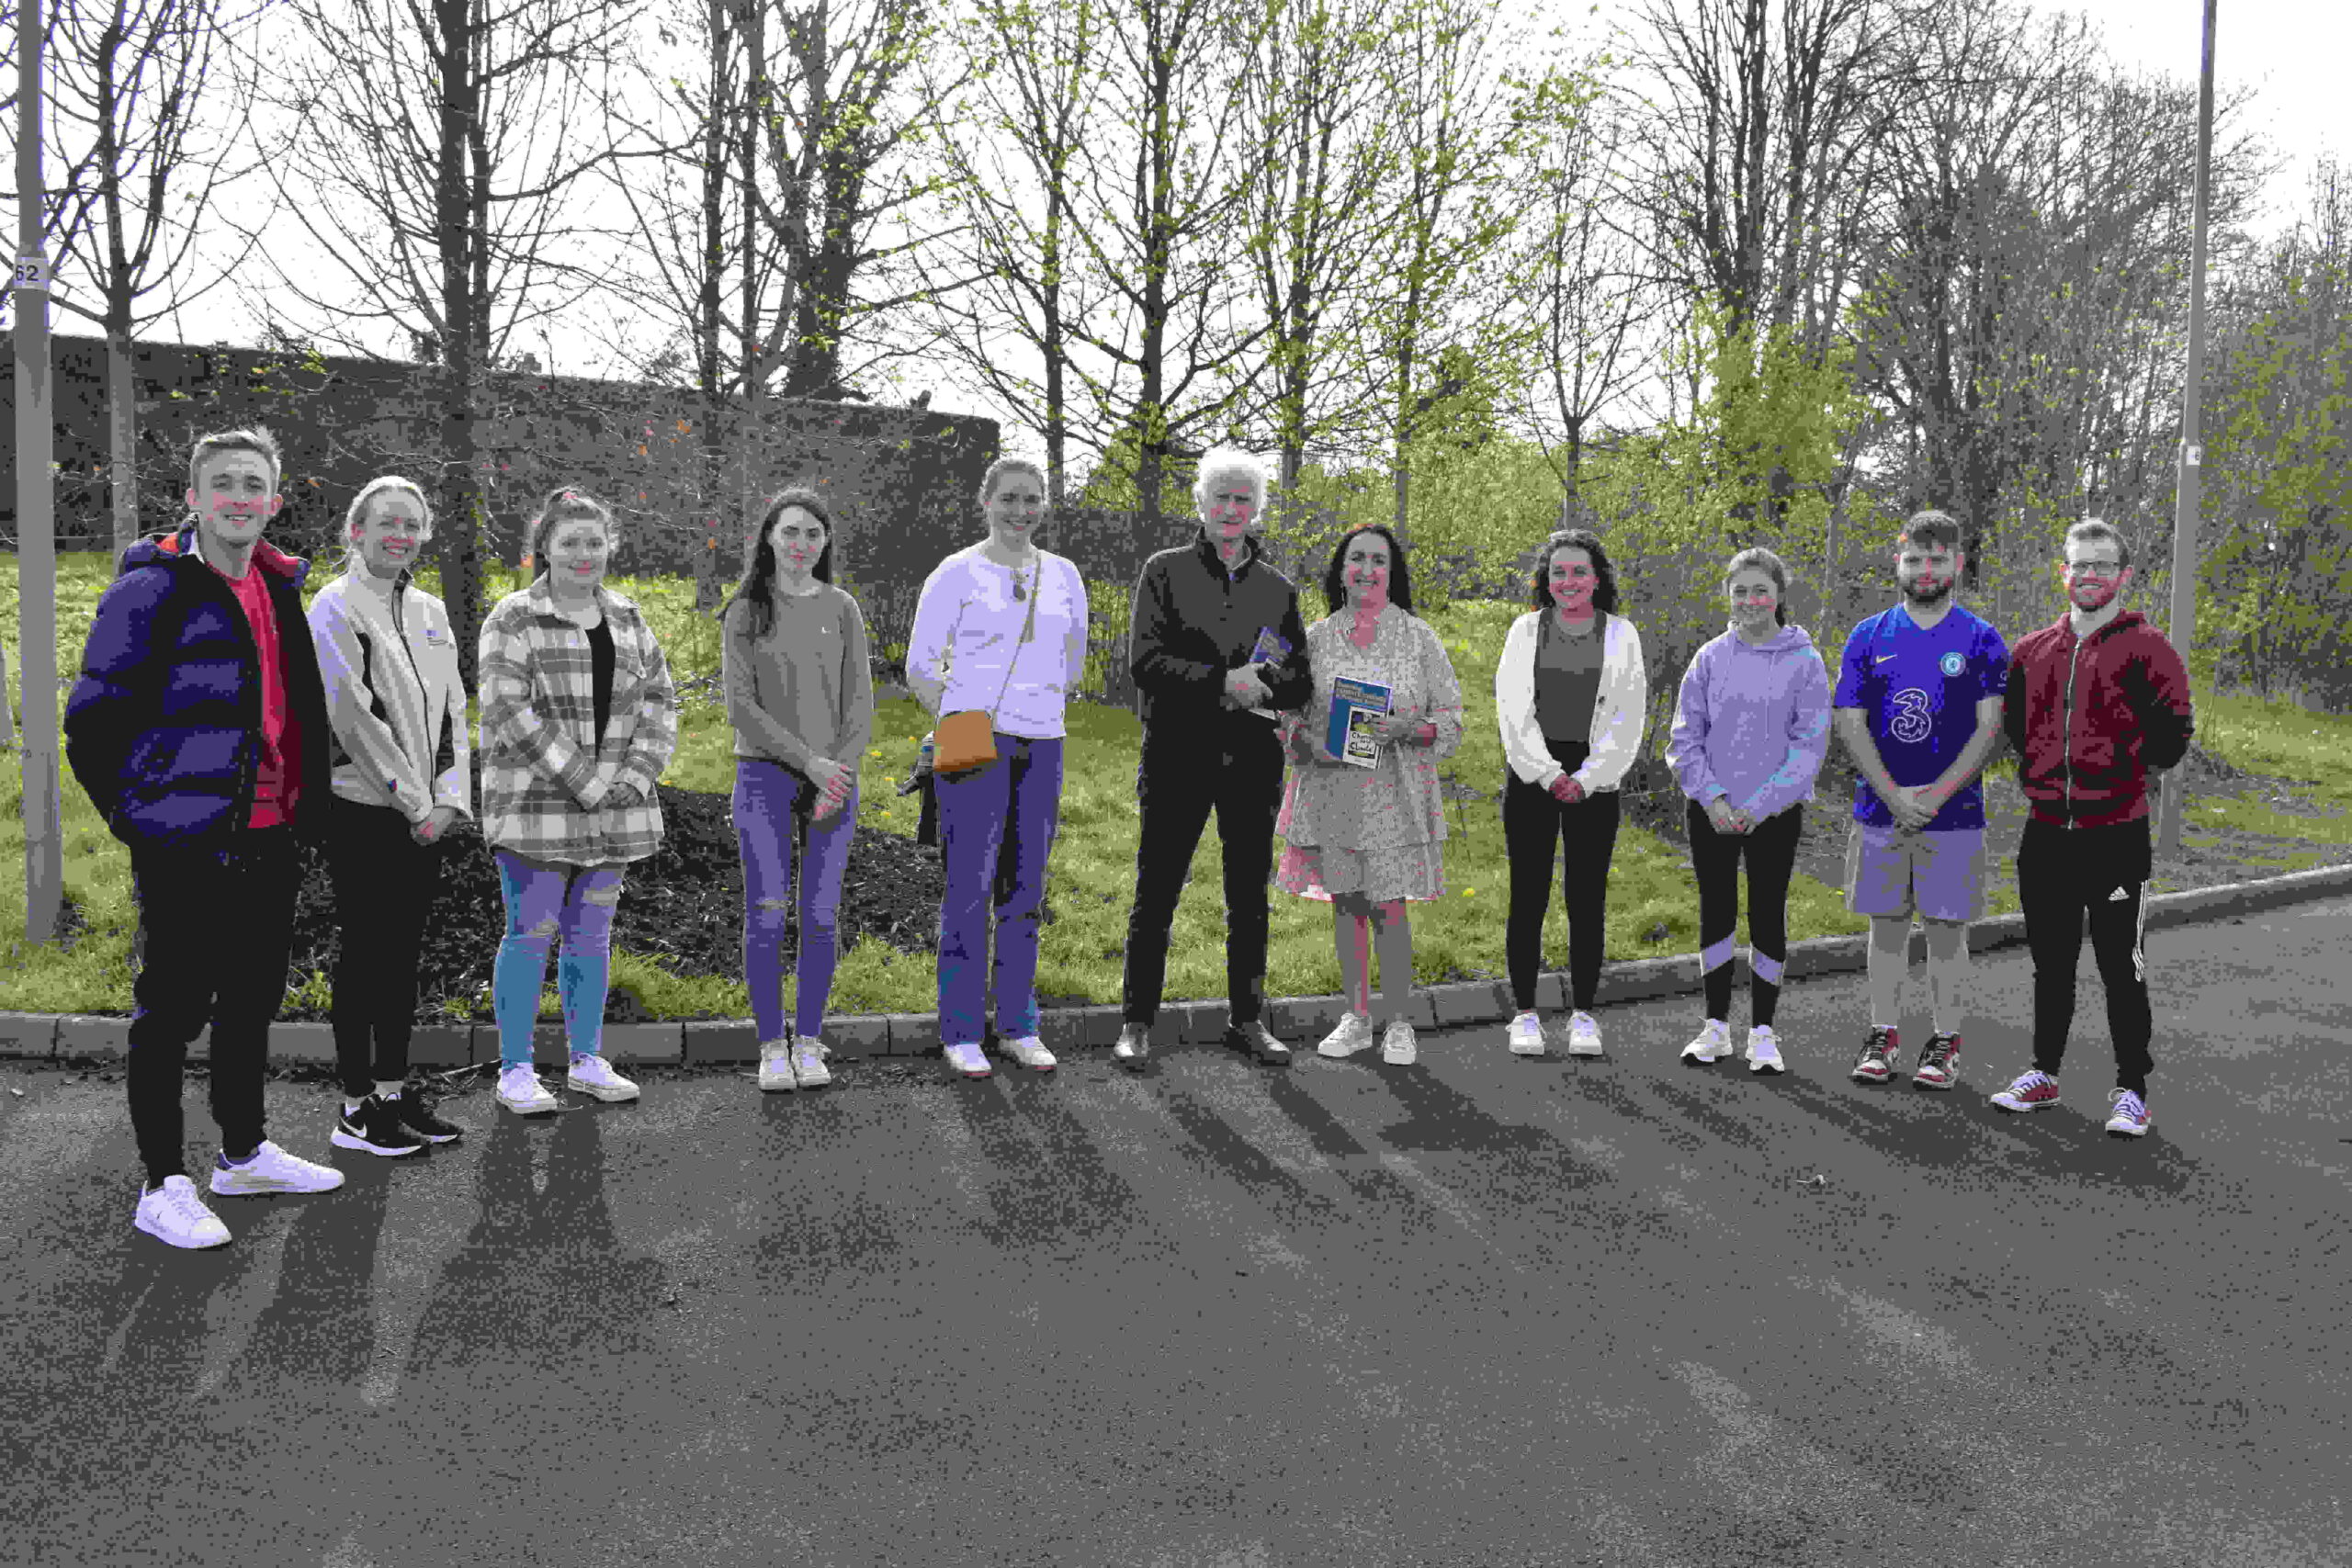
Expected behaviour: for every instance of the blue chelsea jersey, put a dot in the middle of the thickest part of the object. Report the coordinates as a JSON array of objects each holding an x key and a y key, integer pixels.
[{"x": 1918, "y": 692}]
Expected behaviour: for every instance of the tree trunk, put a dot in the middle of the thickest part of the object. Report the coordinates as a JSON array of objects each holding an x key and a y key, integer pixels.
[
  {"x": 122, "y": 441},
  {"x": 461, "y": 529}
]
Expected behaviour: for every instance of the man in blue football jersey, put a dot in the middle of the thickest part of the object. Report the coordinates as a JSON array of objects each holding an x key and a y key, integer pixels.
[{"x": 1918, "y": 703}]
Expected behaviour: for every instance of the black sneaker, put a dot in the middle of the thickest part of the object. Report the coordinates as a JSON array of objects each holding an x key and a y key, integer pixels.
[
  {"x": 1876, "y": 1064},
  {"x": 376, "y": 1128},
  {"x": 1256, "y": 1039},
  {"x": 418, "y": 1118}
]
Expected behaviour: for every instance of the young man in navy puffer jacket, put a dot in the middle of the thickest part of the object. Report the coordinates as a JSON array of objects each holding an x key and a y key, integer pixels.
[
  {"x": 198, "y": 729},
  {"x": 2095, "y": 704}
]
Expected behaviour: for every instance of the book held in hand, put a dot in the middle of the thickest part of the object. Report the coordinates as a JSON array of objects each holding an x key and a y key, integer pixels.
[
  {"x": 1354, "y": 703},
  {"x": 1271, "y": 647}
]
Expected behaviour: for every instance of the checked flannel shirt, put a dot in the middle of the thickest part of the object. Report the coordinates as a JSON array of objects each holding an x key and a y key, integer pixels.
[{"x": 543, "y": 779}]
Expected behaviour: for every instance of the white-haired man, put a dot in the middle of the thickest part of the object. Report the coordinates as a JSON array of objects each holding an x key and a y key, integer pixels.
[{"x": 1215, "y": 645}]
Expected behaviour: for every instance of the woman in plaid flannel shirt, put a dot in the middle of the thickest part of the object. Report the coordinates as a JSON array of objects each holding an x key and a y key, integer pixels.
[{"x": 578, "y": 721}]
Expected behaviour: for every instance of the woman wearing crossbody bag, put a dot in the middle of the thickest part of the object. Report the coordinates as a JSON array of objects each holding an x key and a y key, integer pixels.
[{"x": 998, "y": 643}]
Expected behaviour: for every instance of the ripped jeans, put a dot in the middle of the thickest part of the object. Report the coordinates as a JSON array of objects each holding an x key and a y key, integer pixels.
[
  {"x": 773, "y": 827},
  {"x": 546, "y": 900}
]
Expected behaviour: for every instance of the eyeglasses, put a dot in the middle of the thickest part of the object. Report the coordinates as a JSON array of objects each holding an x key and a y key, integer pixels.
[{"x": 2098, "y": 568}]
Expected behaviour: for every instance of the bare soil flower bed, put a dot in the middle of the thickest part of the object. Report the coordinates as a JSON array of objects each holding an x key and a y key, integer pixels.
[{"x": 684, "y": 905}]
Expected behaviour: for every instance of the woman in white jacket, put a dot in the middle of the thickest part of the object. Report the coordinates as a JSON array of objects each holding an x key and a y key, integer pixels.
[
  {"x": 403, "y": 775},
  {"x": 1571, "y": 695}
]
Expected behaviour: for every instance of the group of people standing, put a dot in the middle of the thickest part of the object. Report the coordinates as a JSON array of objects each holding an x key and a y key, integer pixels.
[{"x": 209, "y": 732}]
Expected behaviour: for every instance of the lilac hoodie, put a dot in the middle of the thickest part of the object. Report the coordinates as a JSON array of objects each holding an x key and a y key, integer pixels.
[{"x": 1752, "y": 724}]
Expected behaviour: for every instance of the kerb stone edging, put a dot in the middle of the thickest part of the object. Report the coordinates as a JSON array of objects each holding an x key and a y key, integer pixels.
[{"x": 39, "y": 1036}]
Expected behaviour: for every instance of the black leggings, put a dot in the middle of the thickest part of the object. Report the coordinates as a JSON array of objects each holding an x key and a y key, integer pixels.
[
  {"x": 383, "y": 881},
  {"x": 1770, "y": 851},
  {"x": 1534, "y": 825}
]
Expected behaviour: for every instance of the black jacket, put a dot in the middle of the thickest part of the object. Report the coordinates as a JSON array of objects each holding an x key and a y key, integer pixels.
[{"x": 1192, "y": 622}]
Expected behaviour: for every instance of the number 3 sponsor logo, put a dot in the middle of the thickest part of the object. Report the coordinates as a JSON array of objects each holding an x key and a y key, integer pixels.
[{"x": 1912, "y": 720}]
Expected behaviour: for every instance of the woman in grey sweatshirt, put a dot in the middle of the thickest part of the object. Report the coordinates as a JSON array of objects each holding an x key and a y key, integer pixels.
[
  {"x": 1751, "y": 728},
  {"x": 800, "y": 696}
]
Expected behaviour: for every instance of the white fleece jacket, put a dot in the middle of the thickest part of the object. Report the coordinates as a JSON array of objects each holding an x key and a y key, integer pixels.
[
  {"x": 393, "y": 697},
  {"x": 1620, "y": 710}
]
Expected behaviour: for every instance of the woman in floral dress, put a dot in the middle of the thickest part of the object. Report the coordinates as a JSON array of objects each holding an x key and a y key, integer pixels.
[{"x": 1369, "y": 839}]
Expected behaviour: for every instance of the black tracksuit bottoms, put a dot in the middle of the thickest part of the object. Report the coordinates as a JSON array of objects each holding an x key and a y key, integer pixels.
[
  {"x": 218, "y": 924},
  {"x": 2063, "y": 875},
  {"x": 1237, "y": 769},
  {"x": 1534, "y": 825},
  {"x": 383, "y": 881}
]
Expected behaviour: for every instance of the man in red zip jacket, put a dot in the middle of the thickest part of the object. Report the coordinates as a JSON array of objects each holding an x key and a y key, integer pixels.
[{"x": 2095, "y": 703}]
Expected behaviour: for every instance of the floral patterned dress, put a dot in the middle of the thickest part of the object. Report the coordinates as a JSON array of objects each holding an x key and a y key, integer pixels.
[{"x": 1375, "y": 832}]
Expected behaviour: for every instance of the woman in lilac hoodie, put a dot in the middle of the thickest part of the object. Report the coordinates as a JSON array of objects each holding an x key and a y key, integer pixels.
[{"x": 1751, "y": 727}]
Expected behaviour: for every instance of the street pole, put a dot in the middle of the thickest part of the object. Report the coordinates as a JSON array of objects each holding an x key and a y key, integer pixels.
[
  {"x": 36, "y": 507},
  {"x": 2188, "y": 494}
]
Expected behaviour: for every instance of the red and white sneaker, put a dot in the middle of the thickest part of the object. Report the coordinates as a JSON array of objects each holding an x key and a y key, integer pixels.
[
  {"x": 1876, "y": 1064},
  {"x": 2030, "y": 1090},
  {"x": 1938, "y": 1063},
  {"x": 2127, "y": 1114}
]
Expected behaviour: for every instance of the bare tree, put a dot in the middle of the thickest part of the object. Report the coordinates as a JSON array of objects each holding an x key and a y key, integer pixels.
[
  {"x": 144, "y": 141},
  {"x": 1586, "y": 270},
  {"x": 440, "y": 142},
  {"x": 1448, "y": 210},
  {"x": 1013, "y": 267},
  {"x": 1325, "y": 130},
  {"x": 1163, "y": 215}
]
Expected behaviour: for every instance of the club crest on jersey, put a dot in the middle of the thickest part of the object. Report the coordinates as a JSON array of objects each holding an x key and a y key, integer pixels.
[{"x": 1951, "y": 663}]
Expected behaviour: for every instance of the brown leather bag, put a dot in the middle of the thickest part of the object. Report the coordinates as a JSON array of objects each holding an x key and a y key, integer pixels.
[{"x": 965, "y": 741}]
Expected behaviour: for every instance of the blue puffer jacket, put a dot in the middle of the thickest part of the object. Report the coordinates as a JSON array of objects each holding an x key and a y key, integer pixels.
[{"x": 163, "y": 728}]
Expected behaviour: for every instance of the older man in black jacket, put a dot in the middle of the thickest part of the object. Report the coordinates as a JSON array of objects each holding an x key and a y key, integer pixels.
[{"x": 1207, "y": 619}]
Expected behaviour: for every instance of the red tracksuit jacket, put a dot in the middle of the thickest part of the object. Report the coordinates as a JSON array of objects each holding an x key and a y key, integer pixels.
[{"x": 2090, "y": 716}]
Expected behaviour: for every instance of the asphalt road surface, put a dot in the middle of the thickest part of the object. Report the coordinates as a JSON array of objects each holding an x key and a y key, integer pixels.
[{"x": 1481, "y": 1310}]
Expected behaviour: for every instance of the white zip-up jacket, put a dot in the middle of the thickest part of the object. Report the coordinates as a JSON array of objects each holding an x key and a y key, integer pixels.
[
  {"x": 393, "y": 696},
  {"x": 1620, "y": 709}
]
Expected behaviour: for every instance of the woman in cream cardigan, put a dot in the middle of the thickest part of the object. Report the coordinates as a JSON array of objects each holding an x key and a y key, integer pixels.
[{"x": 1571, "y": 696}]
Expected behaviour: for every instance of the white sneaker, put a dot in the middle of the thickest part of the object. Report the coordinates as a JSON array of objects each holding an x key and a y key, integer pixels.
[
  {"x": 775, "y": 1065},
  {"x": 593, "y": 1074},
  {"x": 968, "y": 1060},
  {"x": 272, "y": 1169},
  {"x": 1764, "y": 1050},
  {"x": 1397, "y": 1046},
  {"x": 808, "y": 1062},
  {"x": 1526, "y": 1035},
  {"x": 1712, "y": 1042},
  {"x": 520, "y": 1091},
  {"x": 1353, "y": 1034},
  {"x": 1584, "y": 1034},
  {"x": 1030, "y": 1052},
  {"x": 174, "y": 1216}
]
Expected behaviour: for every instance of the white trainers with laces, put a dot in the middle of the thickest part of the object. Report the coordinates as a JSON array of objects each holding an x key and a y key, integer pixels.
[
  {"x": 1353, "y": 1034},
  {"x": 1764, "y": 1050},
  {"x": 593, "y": 1074},
  {"x": 775, "y": 1066},
  {"x": 968, "y": 1059},
  {"x": 808, "y": 1062},
  {"x": 1397, "y": 1047},
  {"x": 520, "y": 1091},
  {"x": 272, "y": 1169},
  {"x": 1527, "y": 1035},
  {"x": 1584, "y": 1034},
  {"x": 1030, "y": 1052},
  {"x": 174, "y": 1216},
  {"x": 1712, "y": 1042}
]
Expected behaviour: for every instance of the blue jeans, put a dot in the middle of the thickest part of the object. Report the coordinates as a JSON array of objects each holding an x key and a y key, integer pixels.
[
  {"x": 773, "y": 827},
  {"x": 997, "y": 826},
  {"x": 545, "y": 900}
]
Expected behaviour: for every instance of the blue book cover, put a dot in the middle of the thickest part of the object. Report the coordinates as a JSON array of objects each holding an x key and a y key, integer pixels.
[
  {"x": 1354, "y": 702},
  {"x": 1271, "y": 647}
]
